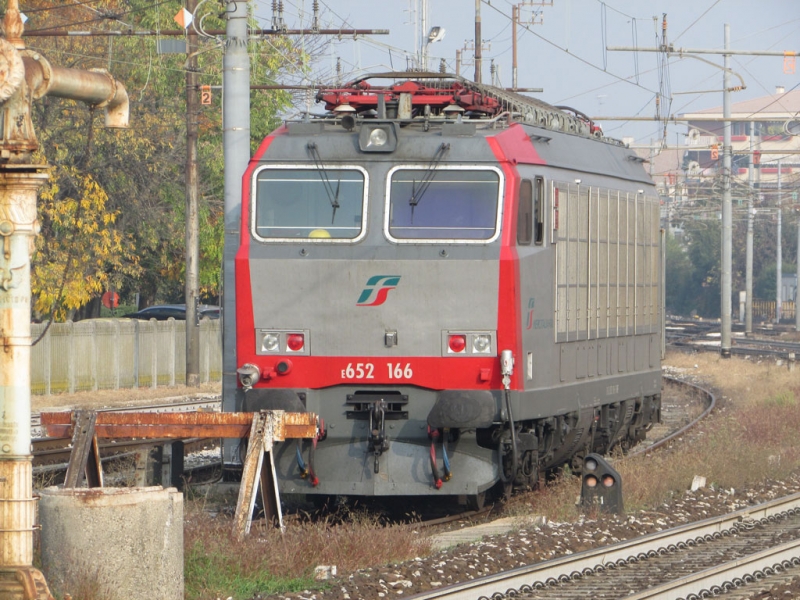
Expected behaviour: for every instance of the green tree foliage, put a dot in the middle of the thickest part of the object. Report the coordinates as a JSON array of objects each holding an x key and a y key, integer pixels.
[
  {"x": 693, "y": 264},
  {"x": 679, "y": 278},
  {"x": 130, "y": 183},
  {"x": 77, "y": 224}
]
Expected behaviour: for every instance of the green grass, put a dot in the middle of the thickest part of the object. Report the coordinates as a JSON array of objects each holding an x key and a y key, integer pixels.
[
  {"x": 267, "y": 561},
  {"x": 213, "y": 574}
]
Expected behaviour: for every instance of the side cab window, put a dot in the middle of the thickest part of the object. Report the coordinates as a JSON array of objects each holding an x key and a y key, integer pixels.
[
  {"x": 530, "y": 213},
  {"x": 525, "y": 213},
  {"x": 538, "y": 211}
]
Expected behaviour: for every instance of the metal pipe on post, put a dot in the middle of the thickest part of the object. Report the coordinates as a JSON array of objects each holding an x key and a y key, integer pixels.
[
  {"x": 236, "y": 148},
  {"x": 95, "y": 87},
  {"x": 727, "y": 207},
  {"x": 19, "y": 185},
  {"x": 192, "y": 283},
  {"x": 24, "y": 76}
]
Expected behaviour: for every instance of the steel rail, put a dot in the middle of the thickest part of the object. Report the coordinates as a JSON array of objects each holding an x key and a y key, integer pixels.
[
  {"x": 727, "y": 576},
  {"x": 712, "y": 403},
  {"x": 562, "y": 568}
]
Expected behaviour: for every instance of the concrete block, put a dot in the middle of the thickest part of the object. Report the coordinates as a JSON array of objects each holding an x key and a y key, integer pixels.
[
  {"x": 127, "y": 543},
  {"x": 698, "y": 482}
]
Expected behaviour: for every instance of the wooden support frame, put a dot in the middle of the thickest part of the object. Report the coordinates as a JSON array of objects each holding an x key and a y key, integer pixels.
[
  {"x": 263, "y": 428},
  {"x": 85, "y": 457},
  {"x": 257, "y": 475}
]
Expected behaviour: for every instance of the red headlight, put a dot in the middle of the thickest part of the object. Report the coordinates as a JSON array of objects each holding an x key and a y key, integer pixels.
[
  {"x": 457, "y": 343},
  {"x": 295, "y": 342}
]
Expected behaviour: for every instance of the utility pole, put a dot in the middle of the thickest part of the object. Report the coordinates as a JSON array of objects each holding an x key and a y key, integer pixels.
[
  {"x": 236, "y": 149},
  {"x": 423, "y": 36},
  {"x": 779, "y": 253},
  {"x": 514, "y": 21},
  {"x": 727, "y": 228},
  {"x": 748, "y": 300},
  {"x": 727, "y": 206},
  {"x": 192, "y": 283},
  {"x": 797, "y": 282},
  {"x": 478, "y": 42}
]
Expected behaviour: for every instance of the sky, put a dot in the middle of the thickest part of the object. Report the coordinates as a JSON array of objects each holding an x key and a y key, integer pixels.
[{"x": 561, "y": 48}]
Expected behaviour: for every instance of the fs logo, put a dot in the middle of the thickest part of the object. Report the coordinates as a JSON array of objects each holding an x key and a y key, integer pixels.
[{"x": 378, "y": 287}]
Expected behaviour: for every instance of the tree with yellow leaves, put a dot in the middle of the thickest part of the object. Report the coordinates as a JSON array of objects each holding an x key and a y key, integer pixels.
[
  {"x": 113, "y": 216},
  {"x": 79, "y": 253}
]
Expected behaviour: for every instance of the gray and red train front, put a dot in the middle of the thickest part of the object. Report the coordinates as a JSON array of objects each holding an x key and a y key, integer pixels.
[{"x": 380, "y": 298}]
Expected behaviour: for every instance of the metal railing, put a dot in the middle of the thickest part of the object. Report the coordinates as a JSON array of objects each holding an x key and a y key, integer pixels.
[{"x": 102, "y": 354}]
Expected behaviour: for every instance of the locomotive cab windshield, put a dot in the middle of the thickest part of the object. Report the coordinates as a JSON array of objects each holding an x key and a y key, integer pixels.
[
  {"x": 293, "y": 203},
  {"x": 443, "y": 204}
]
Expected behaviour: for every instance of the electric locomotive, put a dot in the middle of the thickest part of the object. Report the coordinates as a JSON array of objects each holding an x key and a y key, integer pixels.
[{"x": 462, "y": 282}]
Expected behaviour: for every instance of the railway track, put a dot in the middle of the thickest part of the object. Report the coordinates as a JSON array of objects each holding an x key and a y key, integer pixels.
[
  {"x": 757, "y": 545},
  {"x": 679, "y": 414},
  {"x": 739, "y": 554},
  {"x": 53, "y": 453},
  {"x": 704, "y": 336}
]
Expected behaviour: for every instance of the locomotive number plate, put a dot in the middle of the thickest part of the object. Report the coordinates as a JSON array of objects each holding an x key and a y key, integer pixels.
[{"x": 367, "y": 371}]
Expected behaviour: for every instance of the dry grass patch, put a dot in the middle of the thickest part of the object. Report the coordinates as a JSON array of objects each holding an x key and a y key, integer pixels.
[
  {"x": 750, "y": 438},
  {"x": 269, "y": 562},
  {"x": 741, "y": 380}
]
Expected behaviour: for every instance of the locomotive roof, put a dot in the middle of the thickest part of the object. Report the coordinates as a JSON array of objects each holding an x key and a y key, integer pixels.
[
  {"x": 435, "y": 109},
  {"x": 432, "y": 97}
]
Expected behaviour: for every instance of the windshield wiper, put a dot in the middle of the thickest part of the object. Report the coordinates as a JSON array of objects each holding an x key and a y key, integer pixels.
[
  {"x": 333, "y": 196},
  {"x": 427, "y": 178}
]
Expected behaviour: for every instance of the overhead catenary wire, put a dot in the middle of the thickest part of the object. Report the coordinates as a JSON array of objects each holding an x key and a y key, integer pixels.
[{"x": 566, "y": 51}]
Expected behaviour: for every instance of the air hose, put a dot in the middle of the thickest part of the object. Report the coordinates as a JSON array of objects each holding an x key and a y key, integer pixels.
[
  {"x": 301, "y": 464},
  {"x": 447, "y": 472},
  {"x": 437, "y": 481}
]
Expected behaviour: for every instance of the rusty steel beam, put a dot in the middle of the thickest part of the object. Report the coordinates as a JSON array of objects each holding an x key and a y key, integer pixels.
[
  {"x": 181, "y": 425},
  {"x": 182, "y": 32}
]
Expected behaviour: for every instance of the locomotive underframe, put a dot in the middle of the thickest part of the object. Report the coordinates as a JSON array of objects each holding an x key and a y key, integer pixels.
[{"x": 361, "y": 457}]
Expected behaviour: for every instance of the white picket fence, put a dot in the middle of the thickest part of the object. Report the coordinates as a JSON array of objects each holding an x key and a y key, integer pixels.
[{"x": 101, "y": 354}]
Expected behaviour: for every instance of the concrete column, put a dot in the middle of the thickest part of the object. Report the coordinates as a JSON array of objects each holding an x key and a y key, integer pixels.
[
  {"x": 129, "y": 539},
  {"x": 18, "y": 227}
]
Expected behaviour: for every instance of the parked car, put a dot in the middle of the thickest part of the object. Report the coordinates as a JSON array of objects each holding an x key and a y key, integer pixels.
[{"x": 176, "y": 311}]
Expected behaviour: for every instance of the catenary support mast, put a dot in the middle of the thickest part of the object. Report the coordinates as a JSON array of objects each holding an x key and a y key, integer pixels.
[{"x": 236, "y": 149}]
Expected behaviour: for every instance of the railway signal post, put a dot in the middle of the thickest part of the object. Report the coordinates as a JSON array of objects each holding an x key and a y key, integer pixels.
[{"x": 24, "y": 76}]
